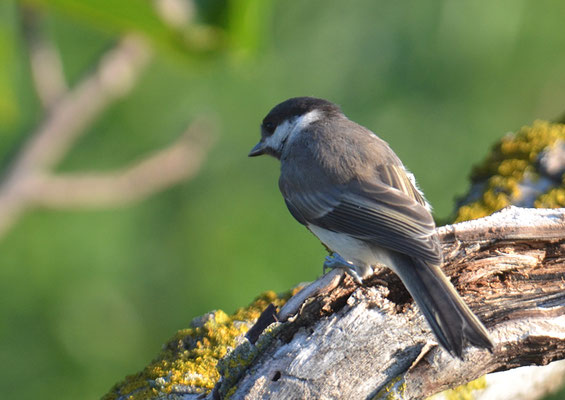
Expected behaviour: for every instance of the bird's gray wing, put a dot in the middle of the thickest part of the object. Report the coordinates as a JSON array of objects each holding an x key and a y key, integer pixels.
[
  {"x": 396, "y": 176},
  {"x": 372, "y": 211}
]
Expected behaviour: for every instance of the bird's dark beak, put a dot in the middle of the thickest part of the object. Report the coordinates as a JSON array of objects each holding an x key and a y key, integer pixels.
[{"x": 257, "y": 150}]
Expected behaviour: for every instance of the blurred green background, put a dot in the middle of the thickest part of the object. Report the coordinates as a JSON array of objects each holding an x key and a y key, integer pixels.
[{"x": 88, "y": 296}]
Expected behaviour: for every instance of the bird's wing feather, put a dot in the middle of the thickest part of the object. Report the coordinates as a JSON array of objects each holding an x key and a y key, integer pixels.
[
  {"x": 374, "y": 211},
  {"x": 396, "y": 176}
]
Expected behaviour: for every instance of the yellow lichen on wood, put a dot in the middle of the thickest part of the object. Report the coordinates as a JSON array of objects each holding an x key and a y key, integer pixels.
[
  {"x": 463, "y": 392},
  {"x": 512, "y": 159},
  {"x": 555, "y": 198},
  {"x": 393, "y": 390},
  {"x": 190, "y": 358}
]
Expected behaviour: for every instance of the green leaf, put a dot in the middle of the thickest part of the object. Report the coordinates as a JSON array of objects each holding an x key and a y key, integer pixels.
[
  {"x": 140, "y": 16},
  {"x": 248, "y": 25}
]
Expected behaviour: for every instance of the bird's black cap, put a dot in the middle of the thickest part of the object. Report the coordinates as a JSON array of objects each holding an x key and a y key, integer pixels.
[{"x": 295, "y": 107}]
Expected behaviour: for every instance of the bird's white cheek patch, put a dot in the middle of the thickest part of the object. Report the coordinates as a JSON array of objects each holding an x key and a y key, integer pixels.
[
  {"x": 288, "y": 130},
  {"x": 304, "y": 120},
  {"x": 276, "y": 140}
]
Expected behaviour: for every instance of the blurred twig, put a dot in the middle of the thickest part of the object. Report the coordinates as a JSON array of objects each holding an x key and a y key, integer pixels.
[
  {"x": 45, "y": 62},
  {"x": 30, "y": 180},
  {"x": 177, "y": 162},
  {"x": 69, "y": 118},
  {"x": 175, "y": 13}
]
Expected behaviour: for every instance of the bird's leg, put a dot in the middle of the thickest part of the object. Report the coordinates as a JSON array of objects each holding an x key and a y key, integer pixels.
[{"x": 337, "y": 261}]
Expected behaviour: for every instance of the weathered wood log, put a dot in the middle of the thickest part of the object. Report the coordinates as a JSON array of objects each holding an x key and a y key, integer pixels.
[{"x": 352, "y": 342}]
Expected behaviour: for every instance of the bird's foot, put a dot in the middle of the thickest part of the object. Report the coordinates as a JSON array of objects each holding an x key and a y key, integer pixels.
[{"x": 336, "y": 261}]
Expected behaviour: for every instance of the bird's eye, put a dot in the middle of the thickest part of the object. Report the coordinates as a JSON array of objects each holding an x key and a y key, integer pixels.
[{"x": 269, "y": 126}]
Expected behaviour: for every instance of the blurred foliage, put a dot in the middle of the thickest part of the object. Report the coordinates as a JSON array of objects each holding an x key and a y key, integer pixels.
[
  {"x": 8, "y": 58},
  {"x": 87, "y": 297},
  {"x": 138, "y": 16}
]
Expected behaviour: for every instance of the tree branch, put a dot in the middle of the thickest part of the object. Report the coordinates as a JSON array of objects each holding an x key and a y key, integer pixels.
[
  {"x": 177, "y": 162},
  {"x": 117, "y": 73},
  {"x": 358, "y": 342},
  {"x": 45, "y": 63},
  {"x": 30, "y": 180},
  {"x": 65, "y": 122}
]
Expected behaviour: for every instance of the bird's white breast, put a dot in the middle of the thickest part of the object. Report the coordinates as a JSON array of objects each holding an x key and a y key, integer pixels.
[{"x": 353, "y": 250}]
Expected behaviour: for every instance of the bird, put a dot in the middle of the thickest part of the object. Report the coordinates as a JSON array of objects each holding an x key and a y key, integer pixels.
[{"x": 349, "y": 188}]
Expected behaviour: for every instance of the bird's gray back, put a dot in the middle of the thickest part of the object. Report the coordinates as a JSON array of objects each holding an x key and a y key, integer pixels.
[{"x": 337, "y": 151}]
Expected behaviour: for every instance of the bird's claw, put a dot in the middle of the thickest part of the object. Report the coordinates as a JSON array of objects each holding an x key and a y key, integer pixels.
[{"x": 337, "y": 261}]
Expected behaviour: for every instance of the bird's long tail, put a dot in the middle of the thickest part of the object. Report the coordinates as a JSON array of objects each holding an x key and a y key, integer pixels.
[{"x": 452, "y": 322}]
